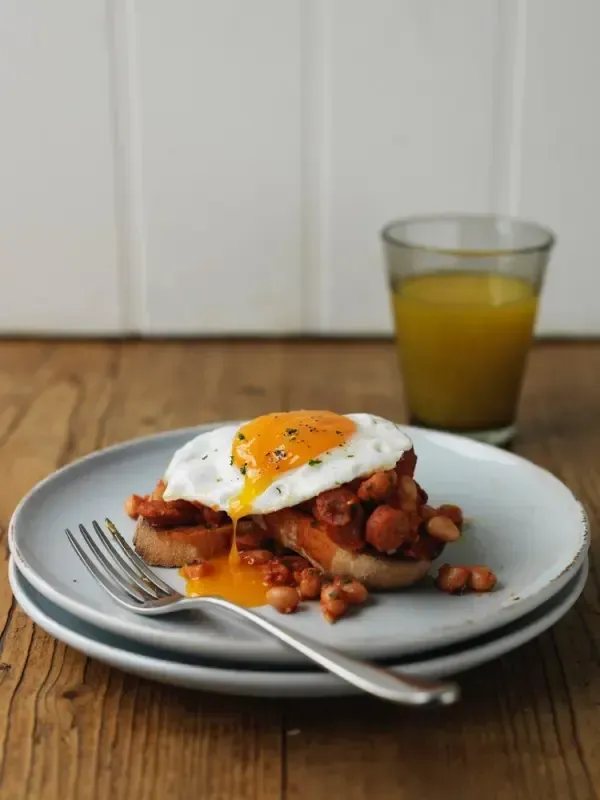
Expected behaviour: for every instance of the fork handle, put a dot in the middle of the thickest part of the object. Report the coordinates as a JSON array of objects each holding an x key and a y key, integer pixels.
[{"x": 396, "y": 688}]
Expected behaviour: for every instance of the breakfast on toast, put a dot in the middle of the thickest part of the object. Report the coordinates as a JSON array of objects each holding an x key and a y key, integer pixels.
[{"x": 299, "y": 505}]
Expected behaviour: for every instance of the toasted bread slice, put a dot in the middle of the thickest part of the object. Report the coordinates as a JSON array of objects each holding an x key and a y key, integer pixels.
[
  {"x": 177, "y": 547},
  {"x": 300, "y": 532}
]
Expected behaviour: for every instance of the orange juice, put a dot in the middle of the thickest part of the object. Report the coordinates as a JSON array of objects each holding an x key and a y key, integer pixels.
[{"x": 463, "y": 339}]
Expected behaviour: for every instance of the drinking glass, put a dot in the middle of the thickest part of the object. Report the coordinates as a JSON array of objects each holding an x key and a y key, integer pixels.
[{"x": 465, "y": 291}]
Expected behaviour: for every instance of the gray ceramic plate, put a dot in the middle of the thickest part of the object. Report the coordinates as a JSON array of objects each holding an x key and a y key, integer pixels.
[
  {"x": 184, "y": 671},
  {"x": 527, "y": 527}
]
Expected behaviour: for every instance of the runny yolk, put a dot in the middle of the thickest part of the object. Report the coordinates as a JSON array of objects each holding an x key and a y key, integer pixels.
[
  {"x": 240, "y": 583},
  {"x": 267, "y": 447},
  {"x": 263, "y": 450}
]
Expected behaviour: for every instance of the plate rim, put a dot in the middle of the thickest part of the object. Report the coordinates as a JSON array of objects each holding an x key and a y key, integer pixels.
[
  {"x": 506, "y": 614},
  {"x": 315, "y": 683}
]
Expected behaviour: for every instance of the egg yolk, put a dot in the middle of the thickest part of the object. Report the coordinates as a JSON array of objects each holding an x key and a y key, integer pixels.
[
  {"x": 240, "y": 583},
  {"x": 263, "y": 450},
  {"x": 266, "y": 447}
]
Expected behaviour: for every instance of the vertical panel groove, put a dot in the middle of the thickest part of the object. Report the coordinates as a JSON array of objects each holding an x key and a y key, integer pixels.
[
  {"x": 316, "y": 163},
  {"x": 509, "y": 99},
  {"x": 125, "y": 97}
]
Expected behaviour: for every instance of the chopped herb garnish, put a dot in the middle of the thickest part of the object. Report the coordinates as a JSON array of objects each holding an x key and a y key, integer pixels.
[
  {"x": 278, "y": 489},
  {"x": 219, "y": 480},
  {"x": 349, "y": 456},
  {"x": 231, "y": 461},
  {"x": 241, "y": 437},
  {"x": 339, "y": 433},
  {"x": 313, "y": 462},
  {"x": 205, "y": 457},
  {"x": 291, "y": 431},
  {"x": 243, "y": 469}
]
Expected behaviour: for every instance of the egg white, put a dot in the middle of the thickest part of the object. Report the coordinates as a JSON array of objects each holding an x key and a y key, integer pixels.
[{"x": 201, "y": 470}]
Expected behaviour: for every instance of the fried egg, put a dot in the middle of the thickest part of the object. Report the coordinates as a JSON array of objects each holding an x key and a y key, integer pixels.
[{"x": 280, "y": 460}]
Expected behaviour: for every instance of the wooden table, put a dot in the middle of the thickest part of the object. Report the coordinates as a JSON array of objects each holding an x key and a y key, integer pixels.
[{"x": 528, "y": 725}]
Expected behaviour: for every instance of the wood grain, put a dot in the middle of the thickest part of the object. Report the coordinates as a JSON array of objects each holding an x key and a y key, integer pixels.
[{"x": 529, "y": 724}]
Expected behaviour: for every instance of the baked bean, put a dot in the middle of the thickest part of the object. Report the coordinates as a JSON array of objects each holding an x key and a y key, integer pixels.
[
  {"x": 442, "y": 528},
  {"x": 306, "y": 507},
  {"x": 132, "y": 505},
  {"x": 406, "y": 465},
  {"x": 354, "y": 485},
  {"x": 354, "y": 592},
  {"x": 256, "y": 557},
  {"x": 195, "y": 571},
  {"x": 387, "y": 528},
  {"x": 378, "y": 487},
  {"x": 452, "y": 579},
  {"x": 284, "y": 598},
  {"x": 482, "y": 579},
  {"x": 408, "y": 493},
  {"x": 214, "y": 518},
  {"x": 416, "y": 524},
  {"x": 349, "y": 537},
  {"x": 170, "y": 513},
  {"x": 159, "y": 490},
  {"x": 337, "y": 506},
  {"x": 309, "y": 583},
  {"x": 295, "y": 563},
  {"x": 249, "y": 536},
  {"x": 277, "y": 574},
  {"x": 452, "y": 512},
  {"x": 334, "y": 603},
  {"x": 424, "y": 549}
]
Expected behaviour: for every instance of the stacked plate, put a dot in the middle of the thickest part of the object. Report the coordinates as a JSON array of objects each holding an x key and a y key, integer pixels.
[{"x": 522, "y": 522}]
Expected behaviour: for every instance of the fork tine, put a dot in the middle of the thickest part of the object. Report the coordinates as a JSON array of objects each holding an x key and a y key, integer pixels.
[
  {"x": 131, "y": 589},
  {"x": 112, "y": 589},
  {"x": 140, "y": 580},
  {"x": 137, "y": 561}
]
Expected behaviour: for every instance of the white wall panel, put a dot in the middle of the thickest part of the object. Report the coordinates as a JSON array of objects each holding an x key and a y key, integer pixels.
[
  {"x": 58, "y": 244},
  {"x": 225, "y": 166},
  {"x": 409, "y": 128},
  {"x": 559, "y": 161},
  {"x": 220, "y": 109}
]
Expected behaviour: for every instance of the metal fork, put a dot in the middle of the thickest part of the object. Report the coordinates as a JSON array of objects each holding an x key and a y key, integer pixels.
[{"x": 131, "y": 584}]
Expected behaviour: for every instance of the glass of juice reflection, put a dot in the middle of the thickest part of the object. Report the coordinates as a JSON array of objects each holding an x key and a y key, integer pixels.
[{"x": 465, "y": 292}]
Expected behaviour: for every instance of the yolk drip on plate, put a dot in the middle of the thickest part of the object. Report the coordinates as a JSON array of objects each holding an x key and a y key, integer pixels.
[
  {"x": 240, "y": 583},
  {"x": 263, "y": 450}
]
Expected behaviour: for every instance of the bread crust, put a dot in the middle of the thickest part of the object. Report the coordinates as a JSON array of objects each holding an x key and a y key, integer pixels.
[{"x": 178, "y": 547}]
